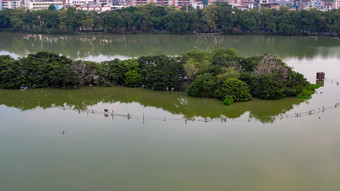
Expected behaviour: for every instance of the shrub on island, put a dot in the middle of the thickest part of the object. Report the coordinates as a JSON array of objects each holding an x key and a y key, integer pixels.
[
  {"x": 234, "y": 89},
  {"x": 204, "y": 85}
]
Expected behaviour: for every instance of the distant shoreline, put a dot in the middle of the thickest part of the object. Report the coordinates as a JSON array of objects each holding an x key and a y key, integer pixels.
[
  {"x": 330, "y": 34},
  {"x": 221, "y": 18}
]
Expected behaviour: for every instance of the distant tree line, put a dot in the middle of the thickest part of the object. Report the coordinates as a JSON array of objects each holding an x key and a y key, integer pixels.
[
  {"x": 220, "y": 73},
  {"x": 220, "y": 18}
]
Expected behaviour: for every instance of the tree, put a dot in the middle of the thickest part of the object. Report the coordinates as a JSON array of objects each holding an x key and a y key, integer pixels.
[
  {"x": 16, "y": 18},
  {"x": 285, "y": 23},
  {"x": 204, "y": 85},
  {"x": 51, "y": 19},
  {"x": 196, "y": 62},
  {"x": 133, "y": 78},
  {"x": 225, "y": 17},
  {"x": 268, "y": 87},
  {"x": 236, "y": 89},
  {"x": 267, "y": 20},
  {"x": 72, "y": 20},
  {"x": 249, "y": 20},
  {"x": 209, "y": 17},
  {"x": 162, "y": 72},
  {"x": 5, "y": 21},
  {"x": 114, "y": 72},
  {"x": 86, "y": 72},
  {"x": 62, "y": 17},
  {"x": 175, "y": 21},
  {"x": 229, "y": 73},
  {"x": 51, "y": 7},
  {"x": 87, "y": 23},
  {"x": 225, "y": 57},
  {"x": 9, "y": 72}
]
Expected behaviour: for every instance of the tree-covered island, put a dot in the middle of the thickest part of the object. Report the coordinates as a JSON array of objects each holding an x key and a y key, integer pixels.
[{"x": 219, "y": 73}]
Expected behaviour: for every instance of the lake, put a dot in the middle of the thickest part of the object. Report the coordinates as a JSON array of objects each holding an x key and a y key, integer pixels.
[{"x": 62, "y": 139}]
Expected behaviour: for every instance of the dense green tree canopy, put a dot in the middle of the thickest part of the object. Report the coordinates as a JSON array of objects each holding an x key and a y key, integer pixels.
[
  {"x": 204, "y": 85},
  {"x": 219, "y": 18},
  {"x": 234, "y": 88}
]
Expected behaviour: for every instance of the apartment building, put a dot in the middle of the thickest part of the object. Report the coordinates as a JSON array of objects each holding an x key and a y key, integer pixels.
[
  {"x": 41, "y": 4},
  {"x": 325, "y": 5},
  {"x": 93, "y": 7},
  {"x": 80, "y": 2},
  {"x": 9, "y": 4},
  {"x": 234, "y": 3},
  {"x": 176, "y": 3},
  {"x": 197, "y": 5}
]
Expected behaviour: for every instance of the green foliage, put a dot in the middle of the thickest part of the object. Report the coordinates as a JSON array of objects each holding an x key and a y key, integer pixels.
[
  {"x": 271, "y": 78},
  {"x": 212, "y": 69},
  {"x": 308, "y": 91},
  {"x": 294, "y": 83},
  {"x": 197, "y": 62},
  {"x": 113, "y": 72},
  {"x": 249, "y": 64},
  {"x": 268, "y": 87},
  {"x": 5, "y": 20},
  {"x": 218, "y": 18},
  {"x": 225, "y": 57},
  {"x": 162, "y": 72},
  {"x": 51, "y": 7},
  {"x": 133, "y": 78},
  {"x": 197, "y": 55},
  {"x": 37, "y": 70},
  {"x": 9, "y": 73},
  {"x": 86, "y": 71},
  {"x": 235, "y": 88},
  {"x": 230, "y": 73},
  {"x": 204, "y": 85},
  {"x": 228, "y": 100},
  {"x": 275, "y": 86},
  {"x": 305, "y": 94},
  {"x": 190, "y": 70},
  {"x": 315, "y": 86},
  {"x": 108, "y": 75}
]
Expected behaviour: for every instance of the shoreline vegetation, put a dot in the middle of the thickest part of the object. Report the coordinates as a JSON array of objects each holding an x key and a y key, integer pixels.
[
  {"x": 213, "y": 19},
  {"x": 219, "y": 73}
]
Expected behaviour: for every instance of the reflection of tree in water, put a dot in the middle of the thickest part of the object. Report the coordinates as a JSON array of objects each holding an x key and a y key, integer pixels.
[
  {"x": 173, "y": 102},
  {"x": 83, "y": 46},
  {"x": 266, "y": 110}
]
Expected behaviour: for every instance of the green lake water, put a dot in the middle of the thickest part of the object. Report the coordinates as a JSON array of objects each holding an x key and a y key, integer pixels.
[{"x": 61, "y": 139}]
